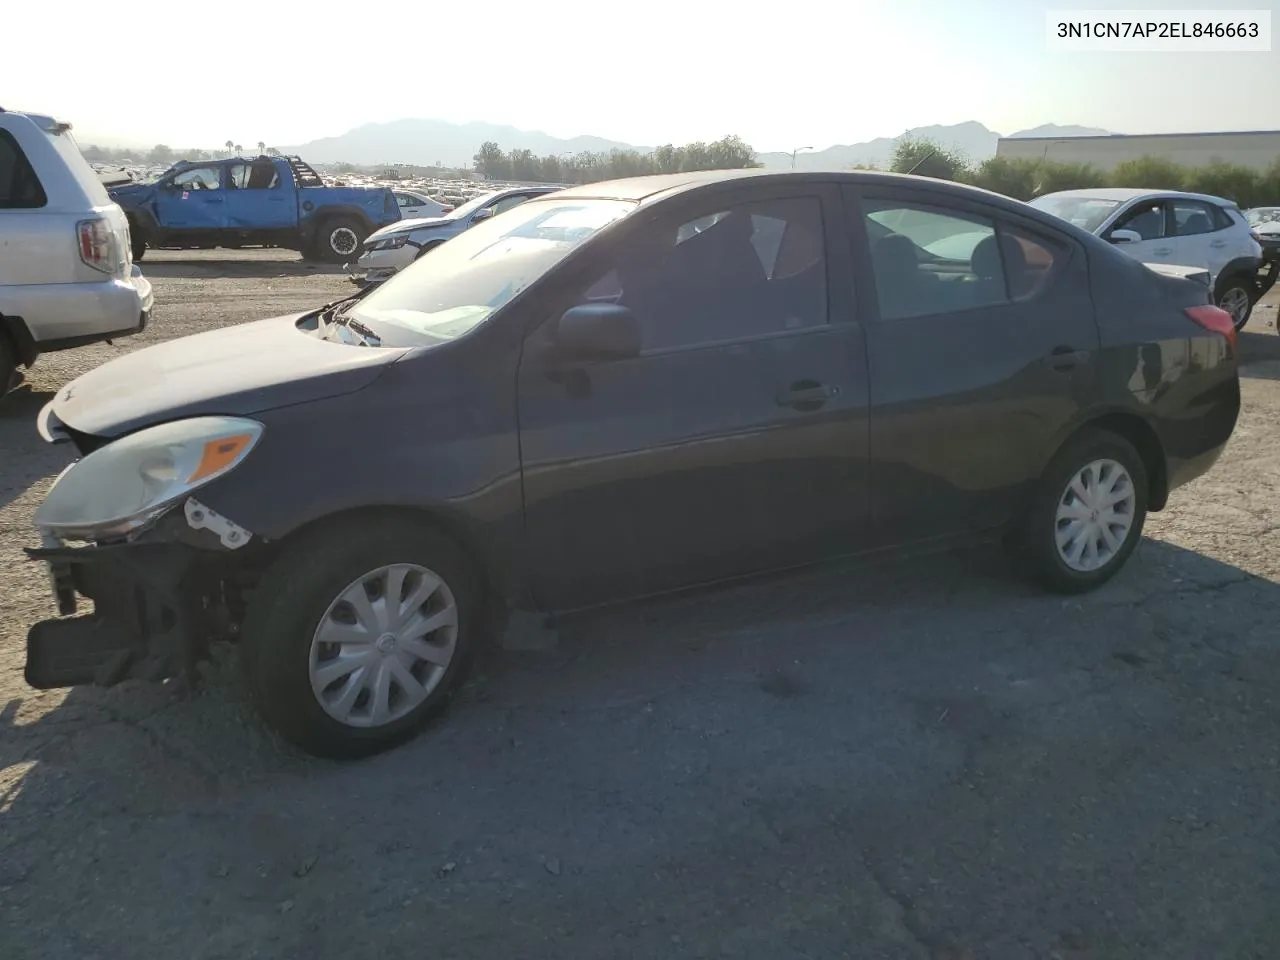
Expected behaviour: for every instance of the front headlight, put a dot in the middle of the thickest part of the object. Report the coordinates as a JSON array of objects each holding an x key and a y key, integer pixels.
[
  {"x": 133, "y": 480},
  {"x": 390, "y": 243}
]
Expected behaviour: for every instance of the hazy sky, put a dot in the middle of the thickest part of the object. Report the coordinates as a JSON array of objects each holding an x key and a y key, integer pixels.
[{"x": 806, "y": 73}]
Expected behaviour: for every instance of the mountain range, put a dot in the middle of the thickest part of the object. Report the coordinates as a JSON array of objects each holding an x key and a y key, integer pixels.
[{"x": 428, "y": 142}]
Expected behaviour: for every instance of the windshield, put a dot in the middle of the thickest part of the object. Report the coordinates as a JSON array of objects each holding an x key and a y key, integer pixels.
[
  {"x": 471, "y": 206},
  {"x": 1260, "y": 215},
  {"x": 1088, "y": 213},
  {"x": 462, "y": 282}
]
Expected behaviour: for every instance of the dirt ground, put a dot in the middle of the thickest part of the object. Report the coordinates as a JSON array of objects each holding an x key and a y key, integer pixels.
[{"x": 927, "y": 760}]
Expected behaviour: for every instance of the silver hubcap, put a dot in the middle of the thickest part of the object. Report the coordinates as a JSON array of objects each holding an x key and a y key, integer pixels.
[
  {"x": 383, "y": 645},
  {"x": 1095, "y": 515},
  {"x": 343, "y": 240},
  {"x": 1236, "y": 302}
]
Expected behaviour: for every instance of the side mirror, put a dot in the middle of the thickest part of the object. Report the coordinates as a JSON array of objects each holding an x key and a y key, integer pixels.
[
  {"x": 1125, "y": 236},
  {"x": 596, "y": 331},
  {"x": 480, "y": 215}
]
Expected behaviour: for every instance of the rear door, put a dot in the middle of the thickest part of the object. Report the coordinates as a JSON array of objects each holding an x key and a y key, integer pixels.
[
  {"x": 257, "y": 198},
  {"x": 736, "y": 441},
  {"x": 1203, "y": 235},
  {"x": 981, "y": 345}
]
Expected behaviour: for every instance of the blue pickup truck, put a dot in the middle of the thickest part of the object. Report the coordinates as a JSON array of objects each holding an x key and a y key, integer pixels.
[{"x": 263, "y": 201}]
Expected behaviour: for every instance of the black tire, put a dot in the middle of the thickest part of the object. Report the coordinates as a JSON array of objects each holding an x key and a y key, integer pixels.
[
  {"x": 1034, "y": 538},
  {"x": 427, "y": 248},
  {"x": 339, "y": 240},
  {"x": 297, "y": 591},
  {"x": 137, "y": 241},
  {"x": 8, "y": 364},
  {"x": 1237, "y": 289}
]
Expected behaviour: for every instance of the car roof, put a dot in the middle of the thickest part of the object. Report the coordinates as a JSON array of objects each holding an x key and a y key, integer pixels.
[
  {"x": 661, "y": 186},
  {"x": 1125, "y": 194}
]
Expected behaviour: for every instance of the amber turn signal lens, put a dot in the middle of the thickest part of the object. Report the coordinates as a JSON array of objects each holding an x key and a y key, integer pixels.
[{"x": 218, "y": 455}]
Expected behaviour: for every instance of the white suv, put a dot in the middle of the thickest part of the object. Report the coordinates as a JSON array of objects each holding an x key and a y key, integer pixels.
[
  {"x": 1174, "y": 229},
  {"x": 66, "y": 272}
]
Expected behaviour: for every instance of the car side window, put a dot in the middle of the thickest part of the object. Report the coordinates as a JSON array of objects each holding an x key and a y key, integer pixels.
[
  {"x": 749, "y": 270},
  {"x": 198, "y": 178},
  {"x": 506, "y": 203},
  {"x": 1029, "y": 260},
  {"x": 926, "y": 260},
  {"x": 20, "y": 188},
  {"x": 1147, "y": 220},
  {"x": 404, "y": 200},
  {"x": 1191, "y": 217}
]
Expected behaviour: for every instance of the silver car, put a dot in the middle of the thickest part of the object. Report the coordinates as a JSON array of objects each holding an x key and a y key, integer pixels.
[
  {"x": 66, "y": 272},
  {"x": 397, "y": 245}
]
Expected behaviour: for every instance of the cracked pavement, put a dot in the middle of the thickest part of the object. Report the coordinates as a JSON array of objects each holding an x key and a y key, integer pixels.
[{"x": 921, "y": 760}]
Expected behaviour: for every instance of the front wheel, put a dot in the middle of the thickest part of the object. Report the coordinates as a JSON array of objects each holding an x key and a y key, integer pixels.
[
  {"x": 1086, "y": 515},
  {"x": 137, "y": 243},
  {"x": 1236, "y": 296},
  {"x": 339, "y": 241},
  {"x": 359, "y": 634}
]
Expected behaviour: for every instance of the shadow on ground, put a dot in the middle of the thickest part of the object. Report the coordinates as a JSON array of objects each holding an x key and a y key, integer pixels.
[
  {"x": 926, "y": 760},
  {"x": 212, "y": 269}
]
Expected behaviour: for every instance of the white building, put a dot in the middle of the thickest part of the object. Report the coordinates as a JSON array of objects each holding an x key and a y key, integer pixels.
[{"x": 1256, "y": 149}]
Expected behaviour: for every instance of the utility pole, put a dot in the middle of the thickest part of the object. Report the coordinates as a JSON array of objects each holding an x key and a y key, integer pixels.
[{"x": 793, "y": 155}]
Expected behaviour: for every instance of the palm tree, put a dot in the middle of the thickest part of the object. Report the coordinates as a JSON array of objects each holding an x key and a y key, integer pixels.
[
  {"x": 239, "y": 149},
  {"x": 229, "y": 145}
]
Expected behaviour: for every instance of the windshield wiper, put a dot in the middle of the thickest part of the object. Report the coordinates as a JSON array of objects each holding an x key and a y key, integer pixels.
[{"x": 348, "y": 328}]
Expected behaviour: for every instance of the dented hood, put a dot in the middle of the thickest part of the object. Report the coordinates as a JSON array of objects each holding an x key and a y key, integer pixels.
[{"x": 238, "y": 371}]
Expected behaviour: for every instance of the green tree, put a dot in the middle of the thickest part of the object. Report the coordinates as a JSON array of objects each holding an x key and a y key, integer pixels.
[
  {"x": 160, "y": 154},
  {"x": 491, "y": 161},
  {"x": 1232, "y": 181},
  {"x": 927, "y": 158},
  {"x": 1014, "y": 178},
  {"x": 1155, "y": 173}
]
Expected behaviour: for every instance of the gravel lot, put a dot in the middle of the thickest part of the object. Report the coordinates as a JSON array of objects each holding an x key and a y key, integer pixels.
[{"x": 927, "y": 760}]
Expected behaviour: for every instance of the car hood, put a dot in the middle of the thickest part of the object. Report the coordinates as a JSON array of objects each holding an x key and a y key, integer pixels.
[
  {"x": 129, "y": 192},
  {"x": 408, "y": 226},
  {"x": 237, "y": 371},
  {"x": 1271, "y": 229}
]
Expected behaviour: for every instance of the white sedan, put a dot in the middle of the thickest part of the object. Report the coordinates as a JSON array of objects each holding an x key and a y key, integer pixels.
[{"x": 414, "y": 206}]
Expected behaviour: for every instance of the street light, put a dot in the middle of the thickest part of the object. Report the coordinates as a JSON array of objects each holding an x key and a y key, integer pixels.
[{"x": 793, "y": 155}]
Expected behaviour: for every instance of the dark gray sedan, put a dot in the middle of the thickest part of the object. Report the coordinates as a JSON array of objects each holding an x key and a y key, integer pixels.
[{"x": 608, "y": 392}]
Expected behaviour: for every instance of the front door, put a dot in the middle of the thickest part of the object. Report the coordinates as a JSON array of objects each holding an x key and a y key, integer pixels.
[
  {"x": 193, "y": 201},
  {"x": 736, "y": 441},
  {"x": 1149, "y": 219},
  {"x": 974, "y": 365}
]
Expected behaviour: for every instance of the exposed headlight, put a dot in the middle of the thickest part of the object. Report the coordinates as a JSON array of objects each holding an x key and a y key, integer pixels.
[
  {"x": 131, "y": 481},
  {"x": 389, "y": 243}
]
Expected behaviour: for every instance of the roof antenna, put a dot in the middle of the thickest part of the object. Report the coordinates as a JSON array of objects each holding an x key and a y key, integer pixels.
[{"x": 928, "y": 156}]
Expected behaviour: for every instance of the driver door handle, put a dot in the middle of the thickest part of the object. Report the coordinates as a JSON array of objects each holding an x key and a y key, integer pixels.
[
  {"x": 806, "y": 394},
  {"x": 1064, "y": 358}
]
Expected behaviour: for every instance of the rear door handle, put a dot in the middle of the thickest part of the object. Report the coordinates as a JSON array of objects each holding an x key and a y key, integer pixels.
[
  {"x": 806, "y": 395},
  {"x": 1218, "y": 244},
  {"x": 1064, "y": 358},
  {"x": 1163, "y": 251}
]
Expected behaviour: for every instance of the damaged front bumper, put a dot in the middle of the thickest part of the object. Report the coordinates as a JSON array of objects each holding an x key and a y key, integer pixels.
[{"x": 158, "y": 602}]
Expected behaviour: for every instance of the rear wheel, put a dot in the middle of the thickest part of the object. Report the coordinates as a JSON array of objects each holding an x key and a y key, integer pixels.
[
  {"x": 137, "y": 241},
  {"x": 359, "y": 634},
  {"x": 8, "y": 364},
  {"x": 1086, "y": 516},
  {"x": 339, "y": 240},
  {"x": 1236, "y": 295}
]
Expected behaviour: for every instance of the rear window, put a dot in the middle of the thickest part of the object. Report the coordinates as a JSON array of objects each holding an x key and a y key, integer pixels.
[{"x": 20, "y": 189}]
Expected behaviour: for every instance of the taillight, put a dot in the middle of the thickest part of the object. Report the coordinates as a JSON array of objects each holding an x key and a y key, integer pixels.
[
  {"x": 97, "y": 248},
  {"x": 1214, "y": 319}
]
